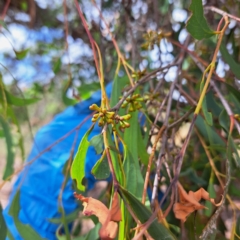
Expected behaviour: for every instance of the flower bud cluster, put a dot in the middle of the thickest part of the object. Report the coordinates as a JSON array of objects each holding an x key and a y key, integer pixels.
[
  {"x": 104, "y": 116},
  {"x": 151, "y": 96},
  {"x": 122, "y": 120},
  {"x": 139, "y": 74},
  {"x": 133, "y": 102}
]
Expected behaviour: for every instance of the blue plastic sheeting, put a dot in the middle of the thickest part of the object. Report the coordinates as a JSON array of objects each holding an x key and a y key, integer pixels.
[{"x": 41, "y": 181}]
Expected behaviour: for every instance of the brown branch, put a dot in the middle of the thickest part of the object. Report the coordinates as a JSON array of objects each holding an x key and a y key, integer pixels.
[
  {"x": 5, "y": 10},
  {"x": 221, "y": 12}
]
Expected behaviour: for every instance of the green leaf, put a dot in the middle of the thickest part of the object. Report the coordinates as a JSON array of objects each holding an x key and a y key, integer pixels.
[
  {"x": 9, "y": 235},
  {"x": 93, "y": 234},
  {"x": 238, "y": 226},
  {"x": 24, "y": 230},
  {"x": 156, "y": 229},
  {"x": 232, "y": 147},
  {"x": 3, "y": 24},
  {"x": 142, "y": 151},
  {"x": 78, "y": 165},
  {"x": 208, "y": 205},
  {"x": 21, "y": 54},
  {"x": 230, "y": 61},
  {"x": 11, "y": 99},
  {"x": 9, "y": 142},
  {"x": 213, "y": 106},
  {"x": 131, "y": 163},
  {"x": 57, "y": 66},
  {"x": 85, "y": 90},
  {"x": 118, "y": 85},
  {"x": 68, "y": 218},
  {"x": 224, "y": 120},
  {"x": 15, "y": 120},
  {"x": 191, "y": 174},
  {"x": 66, "y": 100},
  {"x": 233, "y": 90},
  {"x": 97, "y": 143},
  {"x": 234, "y": 190},
  {"x": 197, "y": 24},
  {"x": 207, "y": 115},
  {"x": 234, "y": 151},
  {"x": 101, "y": 169},
  {"x": 3, "y": 226},
  {"x": 130, "y": 170},
  {"x": 115, "y": 156},
  {"x": 209, "y": 133}
]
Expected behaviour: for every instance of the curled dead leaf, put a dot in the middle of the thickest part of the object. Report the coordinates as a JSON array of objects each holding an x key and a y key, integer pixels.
[
  {"x": 189, "y": 202},
  {"x": 107, "y": 217}
]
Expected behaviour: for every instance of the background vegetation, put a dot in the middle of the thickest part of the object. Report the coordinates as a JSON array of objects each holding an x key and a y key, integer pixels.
[{"x": 174, "y": 108}]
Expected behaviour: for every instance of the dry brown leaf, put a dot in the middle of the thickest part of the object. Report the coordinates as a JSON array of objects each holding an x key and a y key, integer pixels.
[
  {"x": 108, "y": 218},
  {"x": 189, "y": 202}
]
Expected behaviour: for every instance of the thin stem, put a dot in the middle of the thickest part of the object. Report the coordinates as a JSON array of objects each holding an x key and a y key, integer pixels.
[{"x": 211, "y": 67}]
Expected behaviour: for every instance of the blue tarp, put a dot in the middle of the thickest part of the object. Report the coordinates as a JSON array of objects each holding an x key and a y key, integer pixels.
[{"x": 41, "y": 181}]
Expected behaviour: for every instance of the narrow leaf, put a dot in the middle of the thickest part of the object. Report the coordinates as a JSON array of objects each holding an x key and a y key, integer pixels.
[
  {"x": 69, "y": 218},
  {"x": 142, "y": 151},
  {"x": 101, "y": 169},
  {"x": 233, "y": 91},
  {"x": 9, "y": 235},
  {"x": 93, "y": 234},
  {"x": 9, "y": 142},
  {"x": 57, "y": 66},
  {"x": 115, "y": 158},
  {"x": 156, "y": 229},
  {"x": 97, "y": 143},
  {"x": 131, "y": 163},
  {"x": 21, "y": 54},
  {"x": 208, "y": 205},
  {"x": 197, "y": 24},
  {"x": 130, "y": 170},
  {"x": 207, "y": 115},
  {"x": 4, "y": 25},
  {"x": 118, "y": 85},
  {"x": 78, "y": 165},
  {"x": 16, "y": 101},
  {"x": 3, "y": 226},
  {"x": 238, "y": 227},
  {"x": 224, "y": 120},
  {"x": 66, "y": 100},
  {"x": 230, "y": 61},
  {"x": 25, "y": 230}
]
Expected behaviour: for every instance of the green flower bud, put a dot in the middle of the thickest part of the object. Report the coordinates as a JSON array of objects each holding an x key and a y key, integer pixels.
[
  {"x": 131, "y": 108},
  {"x": 94, "y": 107},
  {"x": 109, "y": 120},
  {"x": 110, "y": 114},
  {"x": 96, "y": 115},
  {"x": 125, "y": 117},
  {"x": 127, "y": 125}
]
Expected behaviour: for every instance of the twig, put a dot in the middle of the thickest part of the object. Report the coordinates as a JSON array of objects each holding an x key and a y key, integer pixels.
[
  {"x": 140, "y": 82},
  {"x": 225, "y": 105},
  {"x": 164, "y": 141},
  {"x": 46, "y": 150},
  {"x": 5, "y": 10},
  {"x": 89, "y": 36},
  {"x": 211, "y": 225},
  {"x": 150, "y": 164},
  {"x": 221, "y": 12}
]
